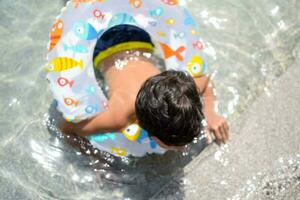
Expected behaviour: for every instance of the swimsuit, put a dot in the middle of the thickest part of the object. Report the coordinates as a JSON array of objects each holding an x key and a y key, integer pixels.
[{"x": 120, "y": 38}]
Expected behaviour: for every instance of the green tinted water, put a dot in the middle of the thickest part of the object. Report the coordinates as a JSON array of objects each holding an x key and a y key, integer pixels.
[{"x": 248, "y": 44}]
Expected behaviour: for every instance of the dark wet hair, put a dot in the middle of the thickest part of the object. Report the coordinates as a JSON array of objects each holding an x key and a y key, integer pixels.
[{"x": 168, "y": 106}]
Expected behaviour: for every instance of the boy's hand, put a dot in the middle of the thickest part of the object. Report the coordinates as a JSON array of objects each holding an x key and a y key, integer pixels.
[
  {"x": 219, "y": 127},
  {"x": 79, "y": 128},
  {"x": 66, "y": 127}
]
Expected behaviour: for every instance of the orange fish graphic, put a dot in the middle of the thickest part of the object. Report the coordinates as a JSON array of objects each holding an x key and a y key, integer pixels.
[
  {"x": 170, "y": 2},
  {"x": 70, "y": 102},
  {"x": 55, "y": 34},
  {"x": 98, "y": 14},
  {"x": 198, "y": 45},
  {"x": 168, "y": 52},
  {"x": 62, "y": 81},
  {"x": 135, "y": 3},
  {"x": 76, "y": 3}
]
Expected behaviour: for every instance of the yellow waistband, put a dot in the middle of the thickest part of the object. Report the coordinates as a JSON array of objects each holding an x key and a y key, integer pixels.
[{"x": 121, "y": 47}]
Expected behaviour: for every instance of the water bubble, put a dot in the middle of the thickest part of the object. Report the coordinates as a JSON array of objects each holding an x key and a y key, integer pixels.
[
  {"x": 88, "y": 178},
  {"x": 147, "y": 55},
  {"x": 137, "y": 53},
  {"x": 95, "y": 152},
  {"x": 75, "y": 177},
  {"x": 274, "y": 11},
  {"x": 14, "y": 101},
  {"x": 106, "y": 165},
  {"x": 107, "y": 176},
  {"x": 223, "y": 182},
  {"x": 120, "y": 64}
]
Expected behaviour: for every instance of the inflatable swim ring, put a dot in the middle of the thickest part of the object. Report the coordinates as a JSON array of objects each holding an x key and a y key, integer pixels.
[{"x": 70, "y": 69}]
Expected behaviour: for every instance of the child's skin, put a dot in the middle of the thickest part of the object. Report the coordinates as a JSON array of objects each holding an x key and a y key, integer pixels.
[{"x": 123, "y": 88}]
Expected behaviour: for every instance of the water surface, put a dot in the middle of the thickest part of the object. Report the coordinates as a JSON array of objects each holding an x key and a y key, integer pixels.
[{"x": 248, "y": 45}]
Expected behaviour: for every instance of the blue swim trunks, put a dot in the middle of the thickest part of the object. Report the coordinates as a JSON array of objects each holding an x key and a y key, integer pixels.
[{"x": 120, "y": 38}]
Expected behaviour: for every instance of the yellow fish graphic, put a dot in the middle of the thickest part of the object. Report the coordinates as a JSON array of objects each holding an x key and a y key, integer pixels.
[
  {"x": 161, "y": 34},
  {"x": 132, "y": 132},
  {"x": 119, "y": 151},
  {"x": 194, "y": 32},
  {"x": 170, "y": 21},
  {"x": 63, "y": 63},
  {"x": 195, "y": 66}
]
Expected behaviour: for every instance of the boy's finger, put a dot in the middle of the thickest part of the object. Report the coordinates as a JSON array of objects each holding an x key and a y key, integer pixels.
[
  {"x": 223, "y": 134},
  {"x": 218, "y": 136},
  {"x": 226, "y": 126},
  {"x": 225, "y": 131}
]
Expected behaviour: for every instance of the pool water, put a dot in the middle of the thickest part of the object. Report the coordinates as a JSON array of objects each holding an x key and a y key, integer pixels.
[{"x": 248, "y": 44}]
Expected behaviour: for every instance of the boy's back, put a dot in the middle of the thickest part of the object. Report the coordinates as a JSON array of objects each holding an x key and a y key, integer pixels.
[{"x": 130, "y": 76}]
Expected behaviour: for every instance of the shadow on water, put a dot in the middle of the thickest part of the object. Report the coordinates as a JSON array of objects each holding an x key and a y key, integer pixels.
[{"x": 136, "y": 178}]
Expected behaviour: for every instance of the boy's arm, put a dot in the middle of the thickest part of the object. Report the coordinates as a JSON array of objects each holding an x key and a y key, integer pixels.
[
  {"x": 215, "y": 123},
  {"x": 114, "y": 119}
]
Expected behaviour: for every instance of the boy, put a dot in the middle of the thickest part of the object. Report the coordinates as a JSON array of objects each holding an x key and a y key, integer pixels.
[{"x": 166, "y": 104}]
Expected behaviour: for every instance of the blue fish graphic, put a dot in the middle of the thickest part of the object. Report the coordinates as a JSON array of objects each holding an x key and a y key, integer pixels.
[
  {"x": 143, "y": 136},
  {"x": 76, "y": 48},
  {"x": 102, "y": 137},
  {"x": 188, "y": 21},
  {"x": 121, "y": 18},
  {"x": 156, "y": 12},
  {"x": 84, "y": 30}
]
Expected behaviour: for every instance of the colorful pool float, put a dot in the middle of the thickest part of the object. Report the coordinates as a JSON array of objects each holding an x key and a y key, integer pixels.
[{"x": 70, "y": 70}]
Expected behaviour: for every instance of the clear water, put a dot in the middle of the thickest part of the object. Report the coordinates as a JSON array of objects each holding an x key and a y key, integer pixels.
[
  {"x": 281, "y": 183},
  {"x": 248, "y": 45}
]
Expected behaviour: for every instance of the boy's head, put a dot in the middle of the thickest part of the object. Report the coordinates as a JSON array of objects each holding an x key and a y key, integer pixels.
[{"x": 168, "y": 106}]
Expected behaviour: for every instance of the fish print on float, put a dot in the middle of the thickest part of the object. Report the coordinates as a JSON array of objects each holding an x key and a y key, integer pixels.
[
  {"x": 121, "y": 18},
  {"x": 70, "y": 59},
  {"x": 60, "y": 64},
  {"x": 55, "y": 34},
  {"x": 84, "y": 30},
  {"x": 170, "y": 2},
  {"x": 168, "y": 52},
  {"x": 76, "y": 48},
  {"x": 62, "y": 81}
]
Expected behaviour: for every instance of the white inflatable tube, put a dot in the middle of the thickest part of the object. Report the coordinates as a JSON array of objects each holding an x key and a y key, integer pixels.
[{"x": 70, "y": 58}]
